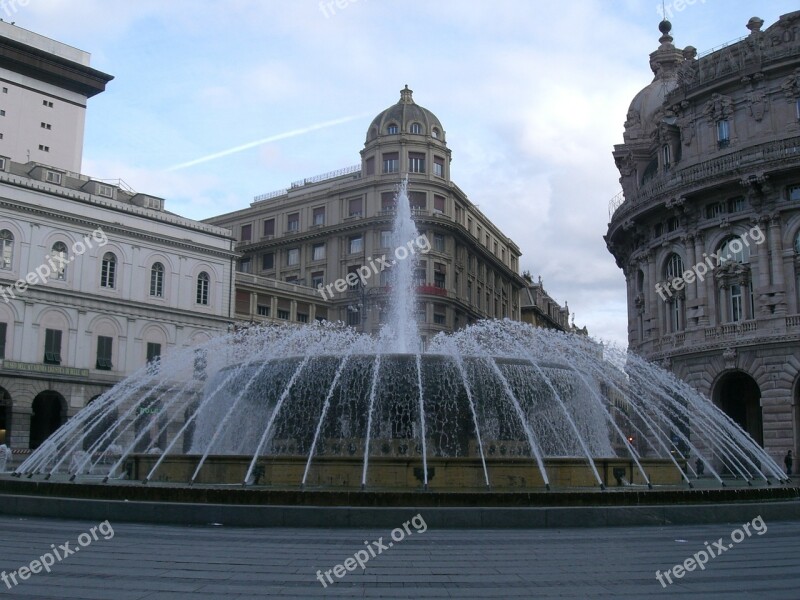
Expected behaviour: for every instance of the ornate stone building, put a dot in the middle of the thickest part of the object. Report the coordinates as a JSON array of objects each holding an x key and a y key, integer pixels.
[
  {"x": 707, "y": 226},
  {"x": 96, "y": 280},
  {"x": 323, "y": 228}
]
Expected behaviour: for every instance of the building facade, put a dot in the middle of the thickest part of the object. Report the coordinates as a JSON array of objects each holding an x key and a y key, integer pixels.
[
  {"x": 321, "y": 229},
  {"x": 707, "y": 226},
  {"x": 95, "y": 280},
  {"x": 44, "y": 88}
]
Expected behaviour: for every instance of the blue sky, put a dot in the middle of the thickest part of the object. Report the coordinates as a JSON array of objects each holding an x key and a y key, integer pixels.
[{"x": 532, "y": 95}]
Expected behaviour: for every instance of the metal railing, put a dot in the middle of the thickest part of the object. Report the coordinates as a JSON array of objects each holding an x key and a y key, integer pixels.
[{"x": 351, "y": 170}]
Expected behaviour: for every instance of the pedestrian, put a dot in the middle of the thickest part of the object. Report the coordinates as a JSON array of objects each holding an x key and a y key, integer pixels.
[
  {"x": 787, "y": 460},
  {"x": 700, "y": 467}
]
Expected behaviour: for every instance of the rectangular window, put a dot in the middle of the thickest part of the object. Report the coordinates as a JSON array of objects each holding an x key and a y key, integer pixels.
[
  {"x": 319, "y": 215},
  {"x": 438, "y": 242},
  {"x": 52, "y": 177},
  {"x": 418, "y": 200},
  {"x": 153, "y": 352},
  {"x": 269, "y": 228},
  {"x": 355, "y": 207},
  {"x": 353, "y": 316},
  {"x": 317, "y": 279},
  {"x": 391, "y": 162},
  {"x": 302, "y": 318},
  {"x": 673, "y": 224},
  {"x": 3, "y": 331},
  {"x": 353, "y": 269},
  {"x": 267, "y": 261},
  {"x": 421, "y": 273},
  {"x": 293, "y": 222},
  {"x": 262, "y": 310},
  {"x": 47, "y": 103},
  {"x": 41, "y": 147},
  {"x": 723, "y": 133},
  {"x": 370, "y": 165},
  {"x": 439, "y": 275},
  {"x": 46, "y": 125},
  {"x": 356, "y": 244},
  {"x": 416, "y": 162},
  {"x": 440, "y": 314},
  {"x": 291, "y": 279},
  {"x": 319, "y": 252},
  {"x": 247, "y": 233},
  {"x": 388, "y": 201},
  {"x": 438, "y": 203},
  {"x": 736, "y": 204},
  {"x": 283, "y": 314},
  {"x": 104, "y": 345},
  {"x": 794, "y": 193},
  {"x": 245, "y": 265},
  {"x": 386, "y": 239},
  {"x": 438, "y": 166},
  {"x": 736, "y": 303},
  {"x": 5, "y": 90},
  {"x": 469, "y": 291},
  {"x": 105, "y": 190},
  {"x": 292, "y": 257},
  {"x": 52, "y": 346},
  {"x": 714, "y": 210},
  {"x": 658, "y": 229}
]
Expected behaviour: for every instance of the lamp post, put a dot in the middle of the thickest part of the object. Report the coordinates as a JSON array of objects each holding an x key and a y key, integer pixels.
[{"x": 362, "y": 297}]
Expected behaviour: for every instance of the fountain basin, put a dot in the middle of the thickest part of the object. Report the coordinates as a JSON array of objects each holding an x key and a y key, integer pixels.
[{"x": 393, "y": 473}]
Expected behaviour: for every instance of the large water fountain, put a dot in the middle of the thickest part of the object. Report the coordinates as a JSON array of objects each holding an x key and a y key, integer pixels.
[{"x": 497, "y": 405}]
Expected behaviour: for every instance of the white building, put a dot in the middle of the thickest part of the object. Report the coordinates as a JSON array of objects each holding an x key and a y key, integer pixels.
[
  {"x": 44, "y": 87},
  {"x": 95, "y": 279}
]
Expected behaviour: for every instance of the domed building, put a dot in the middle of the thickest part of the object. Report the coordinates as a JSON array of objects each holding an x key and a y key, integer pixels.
[
  {"x": 707, "y": 226},
  {"x": 300, "y": 244}
]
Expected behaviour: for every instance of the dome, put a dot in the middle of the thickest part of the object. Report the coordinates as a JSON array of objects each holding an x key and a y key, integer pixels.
[
  {"x": 646, "y": 104},
  {"x": 406, "y": 117}
]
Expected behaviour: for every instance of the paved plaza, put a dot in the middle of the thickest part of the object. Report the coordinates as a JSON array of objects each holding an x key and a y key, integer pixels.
[{"x": 186, "y": 563}]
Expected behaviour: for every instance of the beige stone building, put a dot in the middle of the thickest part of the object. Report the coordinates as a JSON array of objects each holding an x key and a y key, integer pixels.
[
  {"x": 707, "y": 226},
  {"x": 322, "y": 228}
]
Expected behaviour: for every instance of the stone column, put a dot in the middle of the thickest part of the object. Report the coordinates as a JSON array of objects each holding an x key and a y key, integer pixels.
[
  {"x": 653, "y": 305},
  {"x": 702, "y": 286},
  {"x": 691, "y": 288},
  {"x": 20, "y": 426},
  {"x": 775, "y": 250},
  {"x": 763, "y": 259},
  {"x": 722, "y": 293}
]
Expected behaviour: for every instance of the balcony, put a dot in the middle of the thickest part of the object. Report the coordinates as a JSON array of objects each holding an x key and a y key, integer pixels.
[
  {"x": 726, "y": 166},
  {"x": 431, "y": 290}
]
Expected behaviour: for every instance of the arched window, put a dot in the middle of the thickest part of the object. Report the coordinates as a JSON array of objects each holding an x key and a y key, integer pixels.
[
  {"x": 59, "y": 256},
  {"x": 157, "y": 280},
  {"x": 435, "y": 133},
  {"x": 735, "y": 250},
  {"x": 797, "y": 242},
  {"x": 202, "y": 288},
  {"x": 392, "y": 129},
  {"x": 416, "y": 128},
  {"x": 7, "y": 256},
  {"x": 674, "y": 267},
  {"x": 108, "y": 271}
]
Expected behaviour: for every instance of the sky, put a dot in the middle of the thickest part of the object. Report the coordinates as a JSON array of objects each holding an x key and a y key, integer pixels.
[{"x": 532, "y": 96}]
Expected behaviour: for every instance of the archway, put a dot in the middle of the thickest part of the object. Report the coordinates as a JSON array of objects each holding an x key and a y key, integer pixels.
[
  {"x": 739, "y": 396},
  {"x": 49, "y": 413},
  {"x": 5, "y": 417}
]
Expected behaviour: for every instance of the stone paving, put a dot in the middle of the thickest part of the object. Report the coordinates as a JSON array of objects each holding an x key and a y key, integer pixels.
[{"x": 187, "y": 563}]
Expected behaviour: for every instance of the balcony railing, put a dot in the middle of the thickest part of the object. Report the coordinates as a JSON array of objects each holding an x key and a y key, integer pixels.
[
  {"x": 707, "y": 170},
  {"x": 432, "y": 290}
]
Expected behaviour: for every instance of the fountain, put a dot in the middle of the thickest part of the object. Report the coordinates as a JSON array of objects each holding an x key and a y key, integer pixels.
[{"x": 498, "y": 405}]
